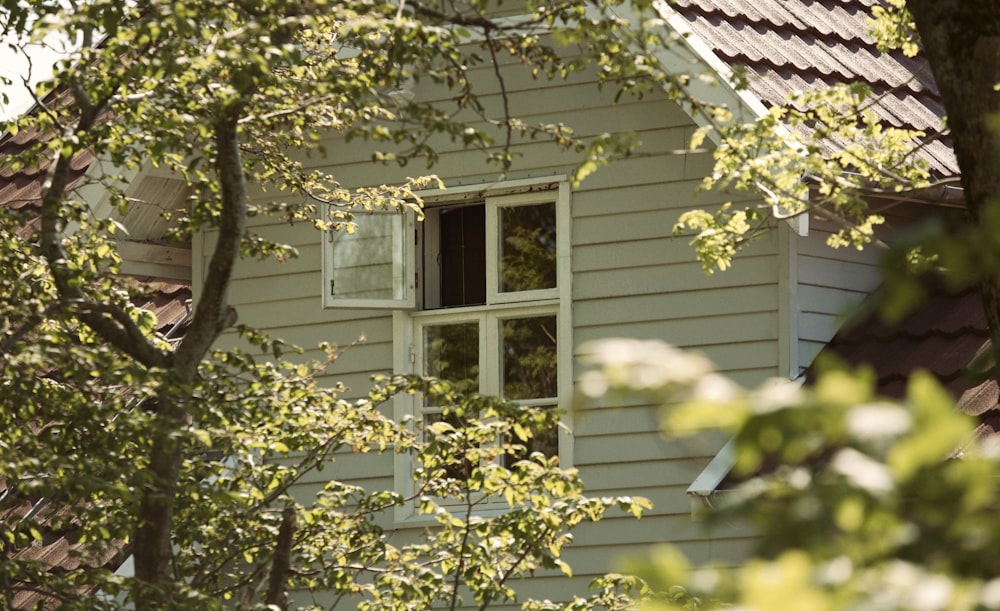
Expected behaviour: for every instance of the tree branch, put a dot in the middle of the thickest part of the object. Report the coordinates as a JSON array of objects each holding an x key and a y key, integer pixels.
[
  {"x": 504, "y": 98},
  {"x": 110, "y": 323},
  {"x": 213, "y": 312},
  {"x": 281, "y": 561}
]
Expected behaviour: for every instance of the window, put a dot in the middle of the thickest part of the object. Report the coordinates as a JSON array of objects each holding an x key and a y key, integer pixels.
[
  {"x": 370, "y": 267},
  {"x": 481, "y": 296}
]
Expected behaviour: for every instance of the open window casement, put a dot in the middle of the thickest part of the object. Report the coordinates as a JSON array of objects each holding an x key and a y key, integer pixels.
[
  {"x": 373, "y": 267},
  {"x": 493, "y": 311},
  {"x": 490, "y": 251}
]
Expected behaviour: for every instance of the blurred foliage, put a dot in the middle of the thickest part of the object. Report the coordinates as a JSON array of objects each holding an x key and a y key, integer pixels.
[{"x": 856, "y": 501}]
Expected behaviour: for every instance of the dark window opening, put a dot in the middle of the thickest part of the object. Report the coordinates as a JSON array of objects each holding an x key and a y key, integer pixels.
[{"x": 462, "y": 256}]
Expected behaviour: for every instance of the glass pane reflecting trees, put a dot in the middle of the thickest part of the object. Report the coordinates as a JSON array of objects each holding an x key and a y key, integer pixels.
[
  {"x": 530, "y": 365},
  {"x": 527, "y": 248},
  {"x": 451, "y": 352}
]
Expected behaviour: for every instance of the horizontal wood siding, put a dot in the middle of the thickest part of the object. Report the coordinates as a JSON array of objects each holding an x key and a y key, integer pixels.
[
  {"x": 631, "y": 278},
  {"x": 831, "y": 283}
]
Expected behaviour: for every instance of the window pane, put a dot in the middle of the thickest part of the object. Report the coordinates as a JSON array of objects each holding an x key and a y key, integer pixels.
[
  {"x": 451, "y": 352},
  {"x": 463, "y": 256},
  {"x": 545, "y": 441},
  {"x": 529, "y": 357},
  {"x": 527, "y": 248},
  {"x": 369, "y": 264}
]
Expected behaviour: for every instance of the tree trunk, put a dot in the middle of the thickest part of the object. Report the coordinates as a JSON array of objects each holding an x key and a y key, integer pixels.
[
  {"x": 213, "y": 314},
  {"x": 961, "y": 40}
]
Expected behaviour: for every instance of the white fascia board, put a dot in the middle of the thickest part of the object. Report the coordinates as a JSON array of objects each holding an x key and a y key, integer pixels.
[
  {"x": 712, "y": 475},
  {"x": 691, "y": 55},
  {"x": 170, "y": 263}
]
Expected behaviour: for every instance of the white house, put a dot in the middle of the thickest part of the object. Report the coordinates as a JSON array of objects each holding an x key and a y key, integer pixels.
[{"x": 508, "y": 275}]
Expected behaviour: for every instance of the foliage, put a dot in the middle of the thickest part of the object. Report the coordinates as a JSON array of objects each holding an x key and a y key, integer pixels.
[
  {"x": 823, "y": 152},
  {"x": 859, "y": 502},
  {"x": 81, "y": 447},
  {"x": 471, "y": 554},
  {"x": 156, "y": 446},
  {"x": 133, "y": 438}
]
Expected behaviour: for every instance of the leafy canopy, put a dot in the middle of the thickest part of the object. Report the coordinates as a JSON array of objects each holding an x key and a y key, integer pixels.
[
  {"x": 853, "y": 500},
  {"x": 125, "y": 440}
]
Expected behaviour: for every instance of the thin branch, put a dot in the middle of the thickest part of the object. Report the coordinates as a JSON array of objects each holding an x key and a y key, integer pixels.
[
  {"x": 304, "y": 105},
  {"x": 469, "y": 504},
  {"x": 505, "y": 98},
  {"x": 526, "y": 549},
  {"x": 830, "y": 215},
  {"x": 455, "y": 18}
]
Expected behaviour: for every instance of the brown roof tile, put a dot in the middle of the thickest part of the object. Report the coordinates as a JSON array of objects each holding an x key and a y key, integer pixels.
[
  {"x": 788, "y": 46},
  {"x": 946, "y": 334},
  {"x": 170, "y": 303},
  {"x": 22, "y": 186},
  {"x": 57, "y": 550}
]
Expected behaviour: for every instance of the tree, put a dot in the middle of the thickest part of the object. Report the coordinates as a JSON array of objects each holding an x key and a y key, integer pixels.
[
  {"x": 849, "y": 157},
  {"x": 136, "y": 440}
]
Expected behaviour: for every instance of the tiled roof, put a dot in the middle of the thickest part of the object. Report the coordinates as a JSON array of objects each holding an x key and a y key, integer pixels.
[
  {"x": 946, "y": 335},
  {"x": 59, "y": 550},
  {"x": 796, "y": 45},
  {"x": 169, "y": 302},
  {"x": 23, "y": 187}
]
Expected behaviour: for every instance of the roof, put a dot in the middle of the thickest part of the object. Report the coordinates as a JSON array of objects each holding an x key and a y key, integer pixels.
[
  {"x": 59, "y": 551},
  {"x": 946, "y": 335},
  {"x": 786, "y": 46},
  {"x": 22, "y": 188},
  {"x": 169, "y": 302}
]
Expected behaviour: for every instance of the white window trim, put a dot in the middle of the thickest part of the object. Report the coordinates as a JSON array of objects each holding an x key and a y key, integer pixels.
[
  {"x": 493, "y": 294},
  {"x": 558, "y": 301},
  {"x": 408, "y": 277}
]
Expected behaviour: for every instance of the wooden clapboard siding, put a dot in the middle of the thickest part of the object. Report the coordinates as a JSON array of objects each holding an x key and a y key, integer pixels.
[
  {"x": 631, "y": 278},
  {"x": 831, "y": 282}
]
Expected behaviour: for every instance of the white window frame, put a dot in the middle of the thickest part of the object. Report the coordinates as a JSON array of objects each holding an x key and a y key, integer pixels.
[
  {"x": 408, "y": 276},
  {"x": 408, "y": 325},
  {"x": 493, "y": 248}
]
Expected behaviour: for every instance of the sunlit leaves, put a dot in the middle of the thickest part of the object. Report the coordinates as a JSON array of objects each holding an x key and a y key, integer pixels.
[
  {"x": 892, "y": 27},
  {"x": 823, "y": 152},
  {"x": 151, "y": 86},
  {"x": 499, "y": 513}
]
